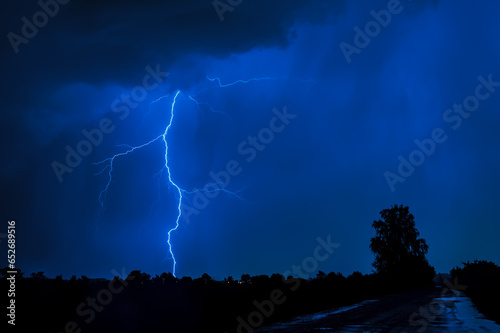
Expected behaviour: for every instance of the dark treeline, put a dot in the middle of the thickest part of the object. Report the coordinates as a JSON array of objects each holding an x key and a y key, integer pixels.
[
  {"x": 140, "y": 303},
  {"x": 482, "y": 279}
]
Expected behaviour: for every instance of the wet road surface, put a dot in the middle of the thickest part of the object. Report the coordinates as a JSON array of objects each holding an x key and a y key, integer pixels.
[{"x": 428, "y": 310}]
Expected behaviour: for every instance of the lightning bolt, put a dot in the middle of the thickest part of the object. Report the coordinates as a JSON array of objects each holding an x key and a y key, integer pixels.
[
  {"x": 110, "y": 162},
  {"x": 209, "y": 188},
  {"x": 169, "y": 174}
]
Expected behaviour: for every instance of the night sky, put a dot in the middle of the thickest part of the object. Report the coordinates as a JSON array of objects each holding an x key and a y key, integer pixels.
[{"x": 335, "y": 98}]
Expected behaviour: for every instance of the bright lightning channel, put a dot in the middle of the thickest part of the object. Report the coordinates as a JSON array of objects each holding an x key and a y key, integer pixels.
[
  {"x": 209, "y": 188},
  {"x": 179, "y": 191},
  {"x": 109, "y": 164},
  {"x": 111, "y": 160}
]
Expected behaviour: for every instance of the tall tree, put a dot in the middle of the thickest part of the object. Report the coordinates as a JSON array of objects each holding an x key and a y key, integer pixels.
[{"x": 396, "y": 242}]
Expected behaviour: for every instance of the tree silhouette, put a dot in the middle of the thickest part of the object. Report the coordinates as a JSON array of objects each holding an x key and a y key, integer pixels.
[
  {"x": 138, "y": 277},
  {"x": 245, "y": 278},
  {"x": 168, "y": 278},
  {"x": 320, "y": 275},
  {"x": 38, "y": 276},
  {"x": 397, "y": 248},
  {"x": 206, "y": 278}
]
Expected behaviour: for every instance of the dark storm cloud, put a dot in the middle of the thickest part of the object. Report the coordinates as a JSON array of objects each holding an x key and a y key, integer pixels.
[
  {"x": 90, "y": 44},
  {"x": 97, "y": 43},
  {"x": 106, "y": 41}
]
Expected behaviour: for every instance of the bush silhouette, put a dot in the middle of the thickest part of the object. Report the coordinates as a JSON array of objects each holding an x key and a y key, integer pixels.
[{"x": 481, "y": 278}]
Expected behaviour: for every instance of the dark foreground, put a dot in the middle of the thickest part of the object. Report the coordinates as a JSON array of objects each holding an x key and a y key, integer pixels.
[
  {"x": 425, "y": 310},
  {"x": 360, "y": 303}
]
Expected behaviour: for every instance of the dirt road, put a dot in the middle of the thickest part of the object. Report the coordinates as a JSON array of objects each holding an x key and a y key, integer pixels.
[{"x": 429, "y": 310}]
